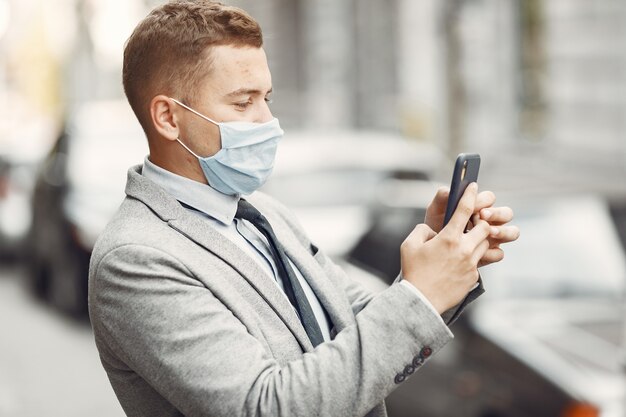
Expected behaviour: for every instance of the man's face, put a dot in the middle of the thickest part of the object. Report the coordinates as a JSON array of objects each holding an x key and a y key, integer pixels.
[{"x": 237, "y": 89}]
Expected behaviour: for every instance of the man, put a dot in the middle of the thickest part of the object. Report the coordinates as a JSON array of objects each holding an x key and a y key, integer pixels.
[{"x": 204, "y": 303}]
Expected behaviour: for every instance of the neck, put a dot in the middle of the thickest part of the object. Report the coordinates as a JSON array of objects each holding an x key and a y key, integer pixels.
[{"x": 183, "y": 164}]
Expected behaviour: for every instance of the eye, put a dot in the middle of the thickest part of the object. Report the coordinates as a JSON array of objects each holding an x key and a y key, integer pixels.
[
  {"x": 242, "y": 106},
  {"x": 269, "y": 100}
]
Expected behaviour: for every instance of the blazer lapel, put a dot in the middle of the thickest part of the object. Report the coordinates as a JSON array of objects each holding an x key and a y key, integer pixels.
[
  {"x": 201, "y": 233},
  {"x": 327, "y": 293}
]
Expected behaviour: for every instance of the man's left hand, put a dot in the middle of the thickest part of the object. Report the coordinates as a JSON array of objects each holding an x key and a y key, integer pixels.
[{"x": 484, "y": 209}]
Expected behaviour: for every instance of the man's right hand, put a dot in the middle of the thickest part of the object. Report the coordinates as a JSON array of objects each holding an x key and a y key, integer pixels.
[{"x": 444, "y": 266}]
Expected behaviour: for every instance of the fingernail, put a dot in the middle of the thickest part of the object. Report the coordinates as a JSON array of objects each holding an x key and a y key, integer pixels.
[
  {"x": 494, "y": 230},
  {"x": 486, "y": 214}
]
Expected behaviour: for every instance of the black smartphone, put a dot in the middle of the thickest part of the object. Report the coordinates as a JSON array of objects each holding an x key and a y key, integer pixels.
[{"x": 465, "y": 172}]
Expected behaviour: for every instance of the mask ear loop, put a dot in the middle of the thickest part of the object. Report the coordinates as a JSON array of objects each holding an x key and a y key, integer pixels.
[
  {"x": 186, "y": 147},
  {"x": 194, "y": 111}
]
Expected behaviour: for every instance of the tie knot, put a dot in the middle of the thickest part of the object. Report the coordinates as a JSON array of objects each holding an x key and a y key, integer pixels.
[{"x": 247, "y": 211}]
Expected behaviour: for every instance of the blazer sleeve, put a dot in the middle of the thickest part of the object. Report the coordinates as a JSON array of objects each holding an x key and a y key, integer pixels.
[
  {"x": 451, "y": 315},
  {"x": 150, "y": 312}
]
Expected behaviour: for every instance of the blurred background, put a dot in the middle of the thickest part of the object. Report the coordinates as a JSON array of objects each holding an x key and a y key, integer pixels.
[{"x": 377, "y": 99}]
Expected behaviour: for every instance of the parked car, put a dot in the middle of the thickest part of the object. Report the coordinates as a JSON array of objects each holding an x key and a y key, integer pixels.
[
  {"x": 24, "y": 142},
  {"x": 16, "y": 181},
  {"x": 78, "y": 188},
  {"x": 546, "y": 339},
  {"x": 557, "y": 305}
]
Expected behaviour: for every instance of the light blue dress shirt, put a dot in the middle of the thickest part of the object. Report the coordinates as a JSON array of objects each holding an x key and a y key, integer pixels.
[{"x": 219, "y": 210}]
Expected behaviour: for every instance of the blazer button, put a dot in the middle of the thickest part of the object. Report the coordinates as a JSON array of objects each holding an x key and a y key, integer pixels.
[
  {"x": 418, "y": 361},
  {"x": 409, "y": 369},
  {"x": 399, "y": 378},
  {"x": 426, "y": 352}
]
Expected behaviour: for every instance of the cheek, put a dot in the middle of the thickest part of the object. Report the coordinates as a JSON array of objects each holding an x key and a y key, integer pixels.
[
  {"x": 204, "y": 139},
  {"x": 210, "y": 140}
]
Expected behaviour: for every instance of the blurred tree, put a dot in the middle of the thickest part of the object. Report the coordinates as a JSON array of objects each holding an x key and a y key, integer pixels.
[
  {"x": 455, "y": 93},
  {"x": 532, "y": 112},
  {"x": 33, "y": 69}
]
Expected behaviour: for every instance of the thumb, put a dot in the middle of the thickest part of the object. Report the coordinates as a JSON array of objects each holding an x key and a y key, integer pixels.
[{"x": 422, "y": 233}]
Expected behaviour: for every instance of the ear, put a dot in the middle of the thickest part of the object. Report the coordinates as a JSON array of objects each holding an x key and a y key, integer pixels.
[{"x": 164, "y": 117}]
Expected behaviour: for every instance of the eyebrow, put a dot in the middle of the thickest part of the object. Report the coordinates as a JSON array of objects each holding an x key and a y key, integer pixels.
[{"x": 247, "y": 91}]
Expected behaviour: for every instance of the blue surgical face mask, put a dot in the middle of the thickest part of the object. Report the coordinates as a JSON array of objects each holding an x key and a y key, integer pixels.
[{"x": 247, "y": 156}]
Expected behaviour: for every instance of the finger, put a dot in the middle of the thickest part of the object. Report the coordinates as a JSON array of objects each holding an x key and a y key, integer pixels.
[
  {"x": 464, "y": 210},
  {"x": 505, "y": 234},
  {"x": 437, "y": 208},
  {"x": 418, "y": 236},
  {"x": 475, "y": 219},
  {"x": 485, "y": 199},
  {"x": 480, "y": 251},
  {"x": 497, "y": 215},
  {"x": 421, "y": 233},
  {"x": 493, "y": 243},
  {"x": 438, "y": 205},
  {"x": 479, "y": 233},
  {"x": 492, "y": 255}
]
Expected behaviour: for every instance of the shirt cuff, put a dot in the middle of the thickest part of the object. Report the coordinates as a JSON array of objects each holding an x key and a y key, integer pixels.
[{"x": 423, "y": 298}]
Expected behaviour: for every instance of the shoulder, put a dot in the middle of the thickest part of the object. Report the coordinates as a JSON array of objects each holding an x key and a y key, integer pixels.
[{"x": 133, "y": 224}]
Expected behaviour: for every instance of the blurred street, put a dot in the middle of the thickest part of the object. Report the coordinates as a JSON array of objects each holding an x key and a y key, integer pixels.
[
  {"x": 376, "y": 99},
  {"x": 49, "y": 364}
]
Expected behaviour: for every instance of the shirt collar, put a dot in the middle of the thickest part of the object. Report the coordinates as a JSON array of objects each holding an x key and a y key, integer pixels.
[{"x": 195, "y": 194}]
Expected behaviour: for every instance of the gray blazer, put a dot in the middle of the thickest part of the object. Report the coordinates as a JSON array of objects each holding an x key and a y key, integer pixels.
[{"x": 187, "y": 324}]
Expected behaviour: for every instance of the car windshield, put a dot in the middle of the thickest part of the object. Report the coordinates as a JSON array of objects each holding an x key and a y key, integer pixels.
[
  {"x": 105, "y": 141},
  {"x": 568, "y": 247},
  {"x": 326, "y": 188}
]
